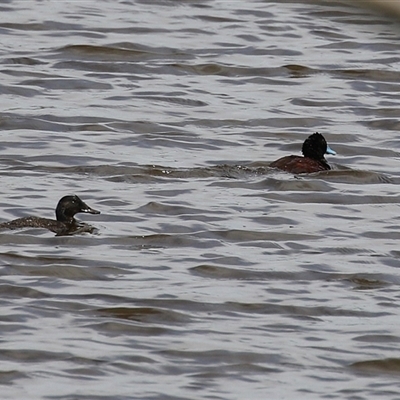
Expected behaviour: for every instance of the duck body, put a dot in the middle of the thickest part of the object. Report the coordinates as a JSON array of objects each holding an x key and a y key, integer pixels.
[
  {"x": 300, "y": 165},
  {"x": 65, "y": 224},
  {"x": 314, "y": 149}
]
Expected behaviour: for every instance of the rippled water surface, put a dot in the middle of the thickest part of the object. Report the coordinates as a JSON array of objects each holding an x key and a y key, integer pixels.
[{"x": 211, "y": 275}]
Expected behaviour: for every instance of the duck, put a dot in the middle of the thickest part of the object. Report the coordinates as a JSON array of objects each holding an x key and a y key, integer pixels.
[
  {"x": 64, "y": 224},
  {"x": 314, "y": 149}
]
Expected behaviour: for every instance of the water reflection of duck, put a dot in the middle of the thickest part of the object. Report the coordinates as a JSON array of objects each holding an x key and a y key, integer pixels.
[
  {"x": 314, "y": 148},
  {"x": 65, "y": 224}
]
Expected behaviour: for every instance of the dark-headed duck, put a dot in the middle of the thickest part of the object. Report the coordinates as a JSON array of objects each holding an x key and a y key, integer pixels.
[
  {"x": 314, "y": 148},
  {"x": 65, "y": 224}
]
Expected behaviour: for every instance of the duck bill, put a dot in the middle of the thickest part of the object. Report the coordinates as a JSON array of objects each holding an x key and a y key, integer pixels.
[
  {"x": 330, "y": 151},
  {"x": 89, "y": 210}
]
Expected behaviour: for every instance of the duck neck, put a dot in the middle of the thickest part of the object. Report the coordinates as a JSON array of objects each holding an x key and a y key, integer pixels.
[{"x": 65, "y": 219}]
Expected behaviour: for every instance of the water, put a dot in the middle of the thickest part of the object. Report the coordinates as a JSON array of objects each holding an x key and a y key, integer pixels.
[{"x": 211, "y": 276}]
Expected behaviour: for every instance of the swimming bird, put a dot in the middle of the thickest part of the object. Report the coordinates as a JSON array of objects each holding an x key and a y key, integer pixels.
[
  {"x": 313, "y": 160},
  {"x": 65, "y": 224}
]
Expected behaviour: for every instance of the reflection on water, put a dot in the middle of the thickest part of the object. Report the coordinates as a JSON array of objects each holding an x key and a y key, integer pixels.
[{"x": 210, "y": 275}]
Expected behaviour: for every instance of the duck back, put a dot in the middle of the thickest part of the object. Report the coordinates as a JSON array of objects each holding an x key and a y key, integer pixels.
[
  {"x": 300, "y": 165},
  {"x": 36, "y": 222}
]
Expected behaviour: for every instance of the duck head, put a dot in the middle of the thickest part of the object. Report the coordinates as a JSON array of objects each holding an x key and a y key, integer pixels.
[
  {"x": 68, "y": 206},
  {"x": 315, "y": 147}
]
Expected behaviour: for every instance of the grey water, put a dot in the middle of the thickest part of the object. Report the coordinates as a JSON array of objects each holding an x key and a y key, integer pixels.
[{"x": 210, "y": 275}]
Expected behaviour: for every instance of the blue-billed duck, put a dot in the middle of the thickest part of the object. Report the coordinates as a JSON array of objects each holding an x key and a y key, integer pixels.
[
  {"x": 314, "y": 148},
  {"x": 65, "y": 224}
]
